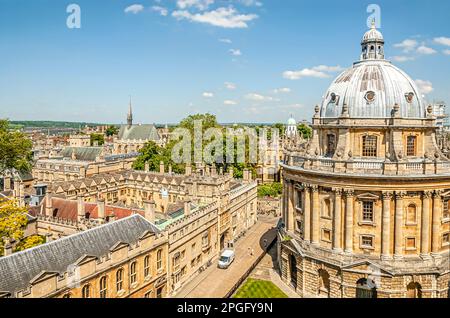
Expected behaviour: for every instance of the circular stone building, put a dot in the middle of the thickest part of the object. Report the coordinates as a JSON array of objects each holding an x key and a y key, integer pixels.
[{"x": 366, "y": 200}]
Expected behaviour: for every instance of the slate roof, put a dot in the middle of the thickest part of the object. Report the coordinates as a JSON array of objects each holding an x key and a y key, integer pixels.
[
  {"x": 18, "y": 269},
  {"x": 82, "y": 153},
  {"x": 138, "y": 132}
]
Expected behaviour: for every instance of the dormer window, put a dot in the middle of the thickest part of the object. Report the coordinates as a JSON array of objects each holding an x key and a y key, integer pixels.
[
  {"x": 409, "y": 97},
  {"x": 370, "y": 97},
  {"x": 333, "y": 98}
]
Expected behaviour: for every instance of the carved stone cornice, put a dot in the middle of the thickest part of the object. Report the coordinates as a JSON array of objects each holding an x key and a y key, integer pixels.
[
  {"x": 399, "y": 195},
  {"x": 349, "y": 193},
  {"x": 387, "y": 195},
  {"x": 427, "y": 194}
]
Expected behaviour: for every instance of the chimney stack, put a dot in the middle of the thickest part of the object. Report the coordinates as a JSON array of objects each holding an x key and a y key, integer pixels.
[
  {"x": 48, "y": 237},
  {"x": 112, "y": 217},
  {"x": 170, "y": 169},
  {"x": 147, "y": 167},
  {"x": 161, "y": 167},
  {"x": 48, "y": 203},
  {"x": 81, "y": 213},
  {"x": 188, "y": 169},
  {"x": 231, "y": 172},
  {"x": 187, "y": 207},
  {"x": 213, "y": 170},
  {"x": 7, "y": 183},
  {"x": 101, "y": 207},
  {"x": 8, "y": 247},
  {"x": 149, "y": 207}
]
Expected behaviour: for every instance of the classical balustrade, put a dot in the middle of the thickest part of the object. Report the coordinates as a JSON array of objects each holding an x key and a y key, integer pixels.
[{"x": 363, "y": 166}]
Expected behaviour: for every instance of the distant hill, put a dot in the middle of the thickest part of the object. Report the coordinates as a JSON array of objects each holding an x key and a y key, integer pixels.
[{"x": 50, "y": 124}]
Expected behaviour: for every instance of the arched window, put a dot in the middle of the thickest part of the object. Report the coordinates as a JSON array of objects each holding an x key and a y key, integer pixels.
[
  {"x": 133, "y": 273},
  {"x": 331, "y": 145},
  {"x": 147, "y": 266},
  {"x": 119, "y": 279},
  {"x": 411, "y": 146},
  {"x": 159, "y": 259},
  {"x": 414, "y": 290},
  {"x": 369, "y": 146},
  {"x": 86, "y": 291},
  {"x": 103, "y": 290},
  {"x": 411, "y": 214},
  {"x": 324, "y": 283},
  {"x": 366, "y": 288}
]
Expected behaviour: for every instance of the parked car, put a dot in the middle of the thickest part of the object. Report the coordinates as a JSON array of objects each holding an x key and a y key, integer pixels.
[{"x": 226, "y": 258}]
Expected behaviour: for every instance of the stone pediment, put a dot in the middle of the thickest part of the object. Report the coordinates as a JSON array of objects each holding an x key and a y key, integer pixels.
[
  {"x": 368, "y": 196},
  {"x": 118, "y": 246},
  {"x": 84, "y": 259},
  {"x": 367, "y": 267},
  {"x": 44, "y": 275},
  {"x": 146, "y": 234}
]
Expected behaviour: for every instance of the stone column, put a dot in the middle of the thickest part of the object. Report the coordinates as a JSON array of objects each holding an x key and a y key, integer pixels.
[
  {"x": 398, "y": 236},
  {"x": 337, "y": 220},
  {"x": 436, "y": 221},
  {"x": 349, "y": 194},
  {"x": 285, "y": 202},
  {"x": 307, "y": 213},
  {"x": 290, "y": 207},
  {"x": 425, "y": 227},
  {"x": 315, "y": 215},
  {"x": 386, "y": 226}
]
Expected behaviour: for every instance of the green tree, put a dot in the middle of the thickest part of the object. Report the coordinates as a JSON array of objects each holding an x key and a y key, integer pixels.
[
  {"x": 208, "y": 121},
  {"x": 13, "y": 219},
  {"x": 305, "y": 131},
  {"x": 29, "y": 242},
  {"x": 15, "y": 149},
  {"x": 112, "y": 131},
  {"x": 98, "y": 139},
  {"x": 273, "y": 190}
]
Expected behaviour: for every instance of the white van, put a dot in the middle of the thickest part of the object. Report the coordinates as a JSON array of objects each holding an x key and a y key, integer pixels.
[{"x": 226, "y": 258}]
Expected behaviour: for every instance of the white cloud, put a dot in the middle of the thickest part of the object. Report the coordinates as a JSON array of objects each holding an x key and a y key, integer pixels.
[
  {"x": 235, "y": 52},
  {"x": 161, "y": 10},
  {"x": 260, "y": 98},
  {"x": 221, "y": 17},
  {"x": 442, "y": 40},
  {"x": 199, "y": 4},
  {"x": 228, "y": 41},
  {"x": 250, "y": 3},
  {"x": 425, "y": 87},
  {"x": 230, "y": 102},
  {"x": 320, "y": 71},
  {"x": 134, "y": 8},
  {"x": 425, "y": 50},
  {"x": 407, "y": 45},
  {"x": 230, "y": 86},
  {"x": 208, "y": 95},
  {"x": 283, "y": 90},
  {"x": 402, "y": 58},
  {"x": 446, "y": 52}
]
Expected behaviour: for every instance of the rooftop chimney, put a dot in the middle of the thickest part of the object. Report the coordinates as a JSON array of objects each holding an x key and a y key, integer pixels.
[
  {"x": 161, "y": 167},
  {"x": 8, "y": 248},
  {"x": 188, "y": 169},
  {"x": 147, "y": 167},
  {"x": 48, "y": 203},
  {"x": 101, "y": 209},
  {"x": 149, "y": 207},
  {"x": 81, "y": 213},
  {"x": 170, "y": 169},
  {"x": 187, "y": 207},
  {"x": 213, "y": 171}
]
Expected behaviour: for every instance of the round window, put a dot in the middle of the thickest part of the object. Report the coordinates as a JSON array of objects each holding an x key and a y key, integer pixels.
[
  {"x": 409, "y": 97},
  {"x": 370, "y": 96}
]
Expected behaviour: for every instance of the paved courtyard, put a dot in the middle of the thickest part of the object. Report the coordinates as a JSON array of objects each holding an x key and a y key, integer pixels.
[{"x": 215, "y": 282}]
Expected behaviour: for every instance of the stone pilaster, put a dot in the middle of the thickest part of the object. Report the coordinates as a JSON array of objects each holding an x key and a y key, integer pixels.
[
  {"x": 436, "y": 222},
  {"x": 307, "y": 213},
  {"x": 315, "y": 215},
  {"x": 337, "y": 221},
  {"x": 291, "y": 207},
  {"x": 386, "y": 226},
  {"x": 398, "y": 232},
  {"x": 349, "y": 196},
  {"x": 425, "y": 227}
]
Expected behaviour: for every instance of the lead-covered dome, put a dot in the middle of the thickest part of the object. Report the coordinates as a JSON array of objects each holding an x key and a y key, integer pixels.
[{"x": 373, "y": 86}]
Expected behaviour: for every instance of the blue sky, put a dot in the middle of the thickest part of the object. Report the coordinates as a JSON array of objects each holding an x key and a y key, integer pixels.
[{"x": 177, "y": 57}]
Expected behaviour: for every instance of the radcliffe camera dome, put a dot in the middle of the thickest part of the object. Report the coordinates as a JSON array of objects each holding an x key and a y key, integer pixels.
[{"x": 373, "y": 86}]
